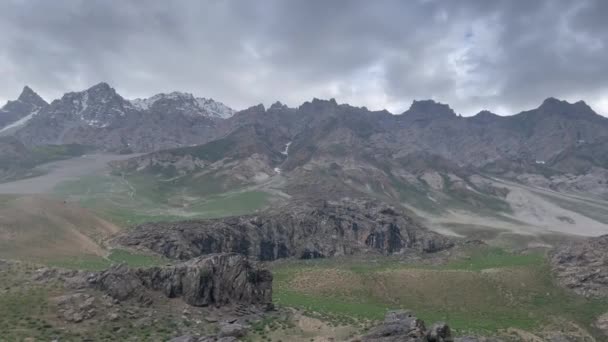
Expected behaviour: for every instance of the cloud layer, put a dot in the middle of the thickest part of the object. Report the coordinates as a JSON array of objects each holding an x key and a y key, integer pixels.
[{"x": 501, "y": 55}]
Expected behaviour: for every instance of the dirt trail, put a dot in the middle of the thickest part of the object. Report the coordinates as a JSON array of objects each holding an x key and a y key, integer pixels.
[{"x": 60, "y": 171}]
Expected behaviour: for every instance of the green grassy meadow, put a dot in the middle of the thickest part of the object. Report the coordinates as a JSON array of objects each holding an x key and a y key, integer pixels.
[
  {"x": 128, "y": 201},
  {"x": 485, "y": 291}
]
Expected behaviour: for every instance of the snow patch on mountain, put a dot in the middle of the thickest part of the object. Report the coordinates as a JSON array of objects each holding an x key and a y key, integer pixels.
[
  {"x": 286, "y": 150},
  {"x": 20, "y": 122},
  {"x": 83, "y": 104}
]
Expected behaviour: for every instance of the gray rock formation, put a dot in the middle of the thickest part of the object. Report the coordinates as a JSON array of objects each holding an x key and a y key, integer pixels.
[
  {"x": 214, "y": 280},
  {"x": 583, "y": 266},
  {"x": 76, "y": 307},
  {"x": 439, "y": 332},
  {"x": 404, "y": 326},
  {"x": 301, "y": 230}
]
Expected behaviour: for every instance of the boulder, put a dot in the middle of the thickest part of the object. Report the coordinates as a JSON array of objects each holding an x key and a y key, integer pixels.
[
  {"x": 439, "y": 332},
  {"x": 399, "y": 325}
]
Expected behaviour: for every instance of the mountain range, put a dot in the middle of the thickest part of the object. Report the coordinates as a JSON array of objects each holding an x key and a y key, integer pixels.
[
  {"x": 100, "y": 117},
  {"x": 198, "y": 183},
  {"x": 424, "y": 156}
]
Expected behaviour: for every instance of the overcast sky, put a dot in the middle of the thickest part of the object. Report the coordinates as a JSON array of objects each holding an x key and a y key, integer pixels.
[{"x": 504, "y": 56}]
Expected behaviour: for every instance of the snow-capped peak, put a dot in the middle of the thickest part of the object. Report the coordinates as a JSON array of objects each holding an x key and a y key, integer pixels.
[
  {"x": 215, "y": 108},
  {"x": 186, "y": 102}
]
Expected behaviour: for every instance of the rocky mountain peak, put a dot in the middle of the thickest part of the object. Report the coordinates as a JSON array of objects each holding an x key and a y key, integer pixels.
[
  {"x": 485, "y": 116},
  {"x": 30, "y": 96},
  {"x": 553, "y": 106},
  {"x": 319, "y": 106},
  {"x": 101, "y": 88},
  {"x": 16, "y": 113},
  {"x": 277, "y": 106},
  {"x": 430, "y": 109},
  {"x": 331, "y": 102},
  {"x": 98, "y": 106}
]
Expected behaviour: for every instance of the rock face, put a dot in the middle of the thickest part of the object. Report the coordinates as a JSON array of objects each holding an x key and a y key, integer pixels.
[
  {"x": 301, "y": 230},
  {"x": 214, "y": 280},
  {"x": 403, "y": 326},
  {"x": 583, "y": 266}
]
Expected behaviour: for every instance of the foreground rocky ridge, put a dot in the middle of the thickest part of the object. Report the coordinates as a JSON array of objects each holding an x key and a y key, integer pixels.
[
  {"x": 300, "y": 230},
  {"x": 220, "y": 295},
  {"x": 583, "y": 266},
  {"x": 210, "y": 280}
]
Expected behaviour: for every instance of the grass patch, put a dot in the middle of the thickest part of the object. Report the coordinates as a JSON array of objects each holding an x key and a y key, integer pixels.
[
  {"x": 83, "y": 262},
  {"x": 486, "y": 291},
  {"x": 134, "y": 200},
  {"x": 489, "y": 258}
]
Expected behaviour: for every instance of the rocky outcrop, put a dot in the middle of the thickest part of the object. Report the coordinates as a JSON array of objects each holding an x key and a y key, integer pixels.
[
  {"x": 214, "y": 280},
  {"x": 583, "y": 266},
  {"x": 301, "y": 230},
  {"x": 76, "y": 307},
  {"x": 404, "y": 326}
]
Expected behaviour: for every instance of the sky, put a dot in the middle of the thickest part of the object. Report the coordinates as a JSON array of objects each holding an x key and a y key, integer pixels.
[{"x": 504, "y": 55}]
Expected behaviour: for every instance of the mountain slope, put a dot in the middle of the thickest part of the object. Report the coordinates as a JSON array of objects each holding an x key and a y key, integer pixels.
[
  {"x": 19, "y": 161},
  {"x": 447, "y": 169},
  {"x": 44, "y": 229}
]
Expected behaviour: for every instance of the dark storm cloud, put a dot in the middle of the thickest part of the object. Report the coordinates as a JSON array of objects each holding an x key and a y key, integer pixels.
[{"x": 502, "y": 55}]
